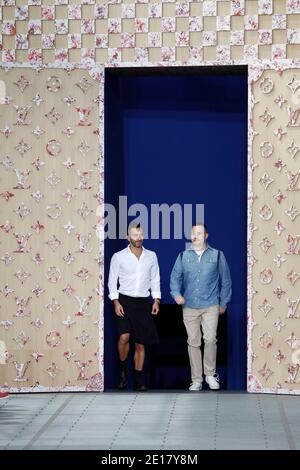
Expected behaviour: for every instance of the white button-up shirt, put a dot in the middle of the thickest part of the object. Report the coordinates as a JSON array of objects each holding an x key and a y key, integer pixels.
[{"x": 136, "y": 276}]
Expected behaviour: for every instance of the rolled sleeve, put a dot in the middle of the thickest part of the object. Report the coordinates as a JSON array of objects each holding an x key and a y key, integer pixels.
[
  {"x": 176, "y": 278},
  {"x": 225, "y": 292},
  {"x": 113, "y": 278},
  {"x": 114, "y": 295}
]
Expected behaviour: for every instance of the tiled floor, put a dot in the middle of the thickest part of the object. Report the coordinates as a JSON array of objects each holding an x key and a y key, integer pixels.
[{"x": 154, "y": 420}]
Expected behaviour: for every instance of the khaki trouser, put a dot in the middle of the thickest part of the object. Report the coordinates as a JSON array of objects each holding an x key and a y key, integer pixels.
[{"x": 193, "y": 319}]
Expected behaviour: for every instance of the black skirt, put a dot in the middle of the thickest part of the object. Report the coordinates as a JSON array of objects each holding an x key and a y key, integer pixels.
[{"x": 138, "y": 320}]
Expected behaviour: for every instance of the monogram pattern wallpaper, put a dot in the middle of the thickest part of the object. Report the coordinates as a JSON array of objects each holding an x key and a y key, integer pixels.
[
  {"x": 115, "y": 31},
  {"x": 51, "y": 166},
  {"x": 274, "y": 228}
]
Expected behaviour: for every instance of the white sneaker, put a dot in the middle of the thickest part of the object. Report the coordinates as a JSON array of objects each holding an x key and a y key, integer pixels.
[
  {"x": 213, "y": 381},
  {"x": 195, "y": 387}
]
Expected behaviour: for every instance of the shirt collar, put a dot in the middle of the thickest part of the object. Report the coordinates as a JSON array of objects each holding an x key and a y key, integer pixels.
[
  {"x": 143, "y": 251},
  {"x": 208, "y": 247}
]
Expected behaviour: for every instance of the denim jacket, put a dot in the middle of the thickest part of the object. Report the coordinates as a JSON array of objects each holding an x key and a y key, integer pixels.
[{"x": 202, "y": 283}]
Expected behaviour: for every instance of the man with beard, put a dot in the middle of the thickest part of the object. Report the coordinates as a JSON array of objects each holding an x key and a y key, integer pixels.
[{"x": 137, "y": 271}]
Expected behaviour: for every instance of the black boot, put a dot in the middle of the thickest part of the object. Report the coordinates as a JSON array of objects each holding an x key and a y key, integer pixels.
[
  {"x": 123, "y": 376},
  {"x": 138, "y": 386}
]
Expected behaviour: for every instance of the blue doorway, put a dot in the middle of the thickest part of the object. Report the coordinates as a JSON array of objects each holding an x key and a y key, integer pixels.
[{"x": 180, "y": 136}]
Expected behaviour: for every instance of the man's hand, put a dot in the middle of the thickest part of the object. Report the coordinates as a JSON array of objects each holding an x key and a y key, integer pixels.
[
  {"x": 118, "y": 308},
  {"x": 222, "y": 310},
  {"x": 155, "y": 307},
  {"x": 179, "y": 300}
]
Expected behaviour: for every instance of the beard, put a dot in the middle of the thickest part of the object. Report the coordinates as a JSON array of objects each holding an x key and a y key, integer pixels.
[
  {"x": 136, "y": 244},
  {"x": 199, "y": 243}
]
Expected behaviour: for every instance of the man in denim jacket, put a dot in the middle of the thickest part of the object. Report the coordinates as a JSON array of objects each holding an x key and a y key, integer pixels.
[{"x": 201, "y": 283}]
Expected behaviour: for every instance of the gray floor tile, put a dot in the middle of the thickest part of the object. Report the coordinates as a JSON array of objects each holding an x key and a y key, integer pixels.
[{"x": 172, "y": 420}]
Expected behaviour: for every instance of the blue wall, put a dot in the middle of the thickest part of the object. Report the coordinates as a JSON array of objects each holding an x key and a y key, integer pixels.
[{"x": 183, "y": 139}]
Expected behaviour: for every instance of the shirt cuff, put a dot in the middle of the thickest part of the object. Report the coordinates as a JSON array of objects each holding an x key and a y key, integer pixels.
[
  {"x": 114, "y": 295},
  {"x": 175, "y": 294},
  {"x": 156, "y": 295}
]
